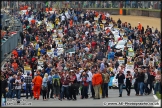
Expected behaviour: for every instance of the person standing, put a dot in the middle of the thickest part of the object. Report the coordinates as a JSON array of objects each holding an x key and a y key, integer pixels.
[
  {"x": 44, "y": 86},
  {"x": 12, "y": 81},
  {"x": 73, "y": 80},
  {"x": 152, "y": 79},
  {"x": 128, "y": 82},
  {"x": 90, "y": 80},
  {"x": 96, "y": 82},
  {"x": 50, "y": 87},
  {"x": 120, "y": 76},
  {"x": 146, "y": 82},
  {"x": 157, "y": 82},
  {"x": 136, "y": 75},
  {"x": 84, "y": 82},
  {"x": 78, "y": 81},
  {"x": 56, "y": 84},
  {"x": 105, "y": 83},
  {"x": 4, "y": 86},
  {"x": 28, "y": 81},
  {"x": 37, "y": 81},
  {"x": 141, "y": 81},
  {"x": 65, "y": 86},
  {"x": 18, "y": 84}
]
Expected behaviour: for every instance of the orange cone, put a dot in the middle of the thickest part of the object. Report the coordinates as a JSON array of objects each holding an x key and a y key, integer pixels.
[{"x": 120, "y": 12}]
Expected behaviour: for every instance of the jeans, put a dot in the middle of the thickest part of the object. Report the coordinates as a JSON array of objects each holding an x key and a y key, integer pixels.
[
  {"x": 151, "y": 87},
  {"x": 9, "y": 91},
  {"x": 146, "y": 89},
  {"x": 84, "y": 92},
  {"x": 140, "y": 87},
  {"x": 157, "y": 87},
  {"x": 28, "y": 89},
  {"x": 13, "y": 92},
  {"x": 90, "y": 86},
  {"x": 64, "y": 89},
  {"x": 18, "y": 93},
  {"x": 50, "y": 88},
  {"x": 128, "y": 87},
  {"x": 104, "y": 89},
  {"x": 120, "y": 88}
]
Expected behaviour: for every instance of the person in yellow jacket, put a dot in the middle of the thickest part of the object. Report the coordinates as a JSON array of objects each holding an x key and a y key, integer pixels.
[
  {"x": 57, "y": 22},
  {"x": 38, "y": 54}
]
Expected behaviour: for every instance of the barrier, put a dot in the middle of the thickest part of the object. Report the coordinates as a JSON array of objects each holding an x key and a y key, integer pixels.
[
  {"x": 129, "y": 11},
  {"x": 10, "y": 44},
  {"x": 10, "y": 41}
]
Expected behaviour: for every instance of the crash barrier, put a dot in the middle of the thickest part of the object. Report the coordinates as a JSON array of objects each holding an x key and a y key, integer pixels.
[
  {"x": 84, "y": 4},
  {"x": 129, "y": 11},
  {"x": 8, "y": 43},
  {"x": 9, "y": 40}
]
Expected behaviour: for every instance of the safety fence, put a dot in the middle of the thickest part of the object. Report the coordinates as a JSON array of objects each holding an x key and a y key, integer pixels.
[
  {"x": 9, "y": 43},
  {"x": 84, "y": 4},
  {"x": 10, "y": 33}
]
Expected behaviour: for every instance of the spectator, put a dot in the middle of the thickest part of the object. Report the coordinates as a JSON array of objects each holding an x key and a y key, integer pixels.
[
  {"x": 120, "y": 76},
  {"x": 128, "y": 82},
  {"x": 28, "y": 82},
  {"x": 37, "y": 85},
  {"x": 56, "y": 84},
  {"x": 45, "y": 86},
  {"x": 96, "y": 82}
]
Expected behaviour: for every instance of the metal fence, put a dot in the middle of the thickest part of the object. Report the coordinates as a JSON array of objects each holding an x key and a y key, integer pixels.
[
  {"x": 10, "y": 44},
  {"x": 108, "y": 4},
  {"x": 85, "y": 4}
]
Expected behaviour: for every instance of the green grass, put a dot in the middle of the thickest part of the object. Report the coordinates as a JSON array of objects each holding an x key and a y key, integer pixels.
[
  {"x": 158, "y": 95},
  {"x": 155, "y": 10}
]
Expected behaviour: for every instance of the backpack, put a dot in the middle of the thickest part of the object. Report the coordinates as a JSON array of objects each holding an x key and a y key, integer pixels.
[{"x": 56, "y": 84}]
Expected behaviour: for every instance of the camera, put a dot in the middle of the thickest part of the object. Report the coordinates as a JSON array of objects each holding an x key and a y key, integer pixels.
[{"x": 17, "y": 83}]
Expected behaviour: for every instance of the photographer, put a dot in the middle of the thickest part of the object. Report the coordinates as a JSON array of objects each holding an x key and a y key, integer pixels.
[
  {"x": 128, "y": 82},
  {"x": 18, "y": 86},
  {"x": 120, "y": 76}
]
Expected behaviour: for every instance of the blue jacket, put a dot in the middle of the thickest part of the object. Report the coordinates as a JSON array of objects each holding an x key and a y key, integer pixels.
[
  {"x": 48, "y": 70},
  {"x": 44, "y": 83},
  {"x": 110, "y": 82},
  {"x": 19, "y": 52},
  {"x": 111, "y": 55}
]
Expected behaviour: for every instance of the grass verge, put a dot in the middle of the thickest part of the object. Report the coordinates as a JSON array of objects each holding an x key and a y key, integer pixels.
[{"x": 158, "y": 95}]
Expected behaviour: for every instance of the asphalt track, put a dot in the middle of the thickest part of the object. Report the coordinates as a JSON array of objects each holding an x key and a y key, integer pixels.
[{"x": 113, "y": 97}]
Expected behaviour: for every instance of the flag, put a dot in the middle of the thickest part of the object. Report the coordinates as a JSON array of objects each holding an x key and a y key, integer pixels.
[{"x": 46, "y": 3}]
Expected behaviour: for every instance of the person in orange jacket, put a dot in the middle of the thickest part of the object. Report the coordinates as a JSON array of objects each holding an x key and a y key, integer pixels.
[
  {"x": 96, "y": 82},
  {"x": 15, "y": 65},
  {"x": 15, "y": 53},
  {"x": 139, "y": 26},
  {"x": 37, "y": 81}
]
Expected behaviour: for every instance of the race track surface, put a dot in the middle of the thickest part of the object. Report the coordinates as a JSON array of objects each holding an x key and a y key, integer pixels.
[{"x": 133, "y": 20}]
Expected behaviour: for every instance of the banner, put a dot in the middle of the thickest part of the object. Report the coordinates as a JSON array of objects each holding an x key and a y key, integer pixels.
[
  {"x": 121, "y": 60},
  {"x": 125, "y": 38},
  {"x": 60, "y": 30},
  {"x": 131, "y": 53},
  {"x": 40, "y": 62},
  {"x": 130, "y": 66},
  {"x": 121, "y": 33},
  {"x": 95, "y": 18},
  {"x": 54, "y": 36},
  {"x": 27, "y": 69},
  {"x": 60, "y": 45},
  {"x": 104, "y": 21},
  {"x": 49, "y": 53},
  {"x": 129, "y": 45}
]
